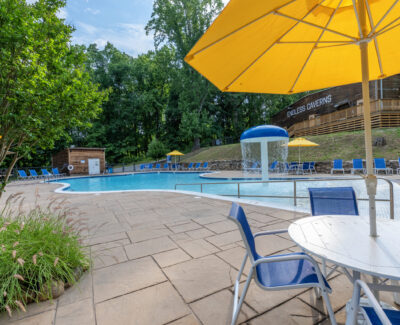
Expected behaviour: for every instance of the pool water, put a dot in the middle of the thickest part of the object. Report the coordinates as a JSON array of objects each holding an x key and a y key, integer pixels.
[{"x": 227, "y": 187}]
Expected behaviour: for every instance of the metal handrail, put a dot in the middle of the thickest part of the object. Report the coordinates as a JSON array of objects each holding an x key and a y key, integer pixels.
[{"x": 295, "y": 196}]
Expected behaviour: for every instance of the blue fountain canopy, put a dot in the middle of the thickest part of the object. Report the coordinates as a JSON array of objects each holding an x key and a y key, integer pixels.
[{"x": 264, "y": 131}]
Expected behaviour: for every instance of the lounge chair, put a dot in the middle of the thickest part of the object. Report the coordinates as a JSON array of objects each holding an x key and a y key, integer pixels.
[
  {"x": 158, "y": 167},
  {"x": 312, "y": 167},
  {"x": 293, "y": 167},
  {"x": 337, "y": 166},
  {"x": 142, "y": 166},
  {"x": 276, "y": 272},
  {"x": 22, "y": 174},
  {"x": 56, "y": 172},
  {"x": 274, "y": 166},
  {"x": 46, "y": 173},
  {"x": 305, "y": 167},
  {"x": 380, "y": 165},
  {"x": 190, "y": 166},
  {"x": 205, "y": 166},
  {"x": 197, "y": 166},
  {"x": 357, "y": 166},
  {"x": 34, "y": 174},
  {"x": 166, "y": 166},
  {"x": 255, "y": 167},
  {"x": 373, "y": 313},
  {"x": 150, "y": 166}
]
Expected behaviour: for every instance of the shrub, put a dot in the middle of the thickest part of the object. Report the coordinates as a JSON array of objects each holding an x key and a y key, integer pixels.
[
  {"x": 156, "y": 149},
  {"x": 38, "y": 250}
]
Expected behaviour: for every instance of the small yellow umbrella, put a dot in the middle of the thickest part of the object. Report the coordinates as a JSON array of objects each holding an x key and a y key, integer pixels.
[
  {"x": 175, "y": 153},
  {"x": 301, "y": 142}
]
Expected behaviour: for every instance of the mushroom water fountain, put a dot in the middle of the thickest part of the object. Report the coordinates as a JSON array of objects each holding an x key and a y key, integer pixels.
[{"x": 262, "y": 145}]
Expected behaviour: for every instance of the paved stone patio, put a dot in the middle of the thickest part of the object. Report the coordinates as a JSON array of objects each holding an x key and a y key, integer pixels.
[{"x": 168, "y": 258}]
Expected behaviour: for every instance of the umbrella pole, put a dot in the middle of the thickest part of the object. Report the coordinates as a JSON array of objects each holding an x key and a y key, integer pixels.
[{"x": 371, "y": 181}]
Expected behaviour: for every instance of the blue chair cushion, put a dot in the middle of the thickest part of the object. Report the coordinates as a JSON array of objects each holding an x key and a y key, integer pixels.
[
  {"x": 393, "y": 315},
  {"x": 285, "y": 273}
]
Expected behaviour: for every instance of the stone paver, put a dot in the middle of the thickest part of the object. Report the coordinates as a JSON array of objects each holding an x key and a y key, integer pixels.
[
  {"x": 156, "y": 305},
  {"x": 169, "y": 258}
]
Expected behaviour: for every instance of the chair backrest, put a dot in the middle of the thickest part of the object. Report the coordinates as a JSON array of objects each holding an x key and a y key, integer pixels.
[
  {"x": 294, "y": 163},
  {"x": 286, "y": 165},
  {"x": 142, "y": 166},
  {"x": 379, "y": 163},
  {"x": 33, "y": 172},
  {"x": 254, "y": 165},
  {"x": 55, "y": 171},
  {"x": 205, "y": 165},
  {"x": 357, "y": 164},
  {"x": 150, "y": 166},
  {"x": 197, "y": 165},
  {"x": 190, "y": 165},
  {"x": 166, "y": 165},
  {"x": 306, "y": 166},
  {"x": 22, "y": 173},
  {"x": 312, "y": 164},
  {"x": 45, "y": 172},
  {"x": 158, "y": 166},
  {"x": 333, "y": 200},
  {"x": 273, "y": 165},
  {"x": 338, "y": 164},
  {"x": 238, "y": 216}
]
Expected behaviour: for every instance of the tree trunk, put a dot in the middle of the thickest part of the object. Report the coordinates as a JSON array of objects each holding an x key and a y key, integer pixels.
[{"x": 7, "y": 175}]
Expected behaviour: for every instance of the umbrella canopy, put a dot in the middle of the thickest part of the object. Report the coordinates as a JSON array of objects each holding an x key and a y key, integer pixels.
[
  {"x": 301, "y": 142},
  {"x": 175, "y": 153},
  {"x": 288, "y": 46}
]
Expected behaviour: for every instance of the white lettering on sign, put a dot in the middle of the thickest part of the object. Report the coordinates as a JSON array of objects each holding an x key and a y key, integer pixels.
[{"x": 314, "y": 104}]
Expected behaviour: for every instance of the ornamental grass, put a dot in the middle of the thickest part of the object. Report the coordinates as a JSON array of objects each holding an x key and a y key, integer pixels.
[{"x": 39, "y": 249}]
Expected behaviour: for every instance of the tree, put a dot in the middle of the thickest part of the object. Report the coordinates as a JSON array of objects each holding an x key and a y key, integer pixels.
[
  {"x": 44, "y": 89},
  {"x": 157, "y": 149}
]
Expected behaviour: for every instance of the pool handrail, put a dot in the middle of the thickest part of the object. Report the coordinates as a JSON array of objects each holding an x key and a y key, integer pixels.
[{"x": 295, "y": 196}]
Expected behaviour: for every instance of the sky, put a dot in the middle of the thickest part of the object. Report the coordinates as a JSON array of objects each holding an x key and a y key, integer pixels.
[{"x": 120, "y": 22}]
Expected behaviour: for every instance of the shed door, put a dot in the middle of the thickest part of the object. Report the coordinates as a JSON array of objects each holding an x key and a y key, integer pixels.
[{"x": 94, "y": 166}]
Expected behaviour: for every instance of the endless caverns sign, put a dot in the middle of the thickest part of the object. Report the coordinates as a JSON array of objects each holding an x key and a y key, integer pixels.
[{"x": 309, "y": 106}]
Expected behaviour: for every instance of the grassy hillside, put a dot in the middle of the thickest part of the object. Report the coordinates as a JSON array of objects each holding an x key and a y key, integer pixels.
[{"x": 345, "y": 145}]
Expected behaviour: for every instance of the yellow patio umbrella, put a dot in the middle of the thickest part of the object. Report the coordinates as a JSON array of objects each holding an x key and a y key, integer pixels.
[
  {"x": 301, "y": 142},
  {"x": 175, "y": 153},
  {"x": 289, "y": 46}
]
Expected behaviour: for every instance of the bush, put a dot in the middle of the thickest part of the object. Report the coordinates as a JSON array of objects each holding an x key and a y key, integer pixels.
[
  {"x": 156, "y": 149},
  {"x": 38, "y": 250}
]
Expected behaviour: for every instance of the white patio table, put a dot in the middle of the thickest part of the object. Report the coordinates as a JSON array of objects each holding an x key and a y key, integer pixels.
[{"x": 345, "y": 241}]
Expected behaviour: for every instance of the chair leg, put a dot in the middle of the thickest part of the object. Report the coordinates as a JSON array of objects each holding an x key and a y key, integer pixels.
[
  {"x": 328, "y": 306},
  {"x": 237, "y": 305}
]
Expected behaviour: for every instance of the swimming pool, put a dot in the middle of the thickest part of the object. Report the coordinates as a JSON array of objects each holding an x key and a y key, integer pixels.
[{"x": 249, "y": 191}]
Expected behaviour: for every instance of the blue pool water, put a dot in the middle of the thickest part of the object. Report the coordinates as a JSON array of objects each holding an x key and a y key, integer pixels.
[{"x": 250, "y": 191}]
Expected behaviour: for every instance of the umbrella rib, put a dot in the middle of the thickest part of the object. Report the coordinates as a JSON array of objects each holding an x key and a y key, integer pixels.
[
  {"x": 383, "y": 29},
  {"x": 314, "y": 47},
  {"x": 239, "y": 29},
  {"x": 320, "y": 42},
  {"x": 269, "y": 47},
  {"x": 386, "y": 30},
  {"x": 315, "y": 25},
  {"x": 383, "y": 17},
  {"x": 371, "y": 21},
  {"x": 358, "y": 19}
]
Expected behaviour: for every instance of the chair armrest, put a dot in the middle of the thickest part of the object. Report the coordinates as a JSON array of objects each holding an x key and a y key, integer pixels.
[{"x": 271, "y": 232}]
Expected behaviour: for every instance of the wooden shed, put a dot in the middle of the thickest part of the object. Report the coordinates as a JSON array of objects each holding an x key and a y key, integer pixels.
[{"x": 80, "y": 161}]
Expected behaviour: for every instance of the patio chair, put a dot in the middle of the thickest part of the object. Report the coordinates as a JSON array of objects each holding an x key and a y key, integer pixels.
[
  {"x": 274, "y": 166},
  {"x": 333, "y": 200},
  {"x": 380, "y": 165},
  {"x": 142, "y": 167},
  {"x": 276, "y": 272},
  {"x": 46, "y": 173},
  {"x": 56, "y": 172},
  {"x": 305, "y": 167},
  {"x": 166, "y": 166},
  {"x": 357, "y": 166},
  {"x": 205, "y": 166},
  {"x": 158, "y": 167},
  {"x": 255, "y": 167},
  {"x": 373, "y": 314},
  {"x": 312, "y": 167},
  {"x": 150, "y": 166},
  {"x": 190, "y": 166},
  {"x": 197, "y": 166},
  {"x": 22, "y": 174},
  {"x": 337, "y": 166},
  {"x": 293, "y": 167}
]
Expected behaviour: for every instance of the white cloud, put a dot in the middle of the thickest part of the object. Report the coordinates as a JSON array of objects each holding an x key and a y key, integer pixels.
[
  {"x": 62, "y": 13},
  {"x": 86, "y": 28},
  {"x": 92, "y": 11}
]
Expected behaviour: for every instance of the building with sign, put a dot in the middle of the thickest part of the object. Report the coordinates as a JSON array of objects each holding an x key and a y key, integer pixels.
[{"x": 340, "y": 109}]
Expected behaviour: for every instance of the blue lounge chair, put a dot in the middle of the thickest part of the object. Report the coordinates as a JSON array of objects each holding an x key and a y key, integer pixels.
[
  {"x": 46, "y": 173},
  {"x": 34, "y": 174},
  {"x": 150, "y": 166},
  {"x": 293, "y": 167},
  {"x": 380, "y": 165},
  {"x": 142, "y": 166},
  {"x": 337, "y": 166},
  {"x": 373, "y": 313},
  {"x": 333, "y": 200},
  {"x": 358, "y": 166},
  {"x": 277, "y": 272},
  {"x": 166, "y": 166},
  {"x": 205, "y": 166},
  {"x": 22, "y": 174},
  {"x": 312, "y": 167},
  {"x": 305, "y": 167},
  {"x": 190, "y": 166},
  {"x": 255, "y": 167},
  {"x": 56, "y": 172},
  {"x": 274, "y": 166},
  {"x": 158, "y": 167},
  {"x": 197, "y": 166}
]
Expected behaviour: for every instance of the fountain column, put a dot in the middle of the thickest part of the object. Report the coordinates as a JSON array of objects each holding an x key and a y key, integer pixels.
[{"x": 264, "y": 160}]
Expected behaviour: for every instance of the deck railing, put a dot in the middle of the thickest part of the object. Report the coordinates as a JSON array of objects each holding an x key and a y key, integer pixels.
[{"x": 295, "y": 181}]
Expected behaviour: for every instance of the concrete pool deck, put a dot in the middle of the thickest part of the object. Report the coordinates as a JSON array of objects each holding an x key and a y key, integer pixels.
[{"x": 169, "y": 258}]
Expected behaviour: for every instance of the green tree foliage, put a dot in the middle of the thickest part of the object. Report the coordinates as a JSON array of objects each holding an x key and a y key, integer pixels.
[
  {"x": 157, "y": 149},
  {"x": 44, "y": 89}
]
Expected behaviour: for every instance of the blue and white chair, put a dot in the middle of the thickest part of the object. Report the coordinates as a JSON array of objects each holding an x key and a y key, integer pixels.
[
  {"x": 46, "y": 173},
  {"x": 205, "y": 166},
  {"x": 373, "y": 314},
  {"x": 190, "y": 166},
  {"x": 56, "y": 172},
  {"x": 197, "y": 166},
  {"x": 337, "y": 166},
  {"x": 357, "y": 166},
  {"x": 274, "y": 166},
  {"x": 34, "y": 174},
  {"x": 380, "y": 165},
  {"x": 277, "y": 272},
  {"x": 166, "y": 166},
  {"x": 22, "y": 174},
  {"x": 158, "y": 167}
]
